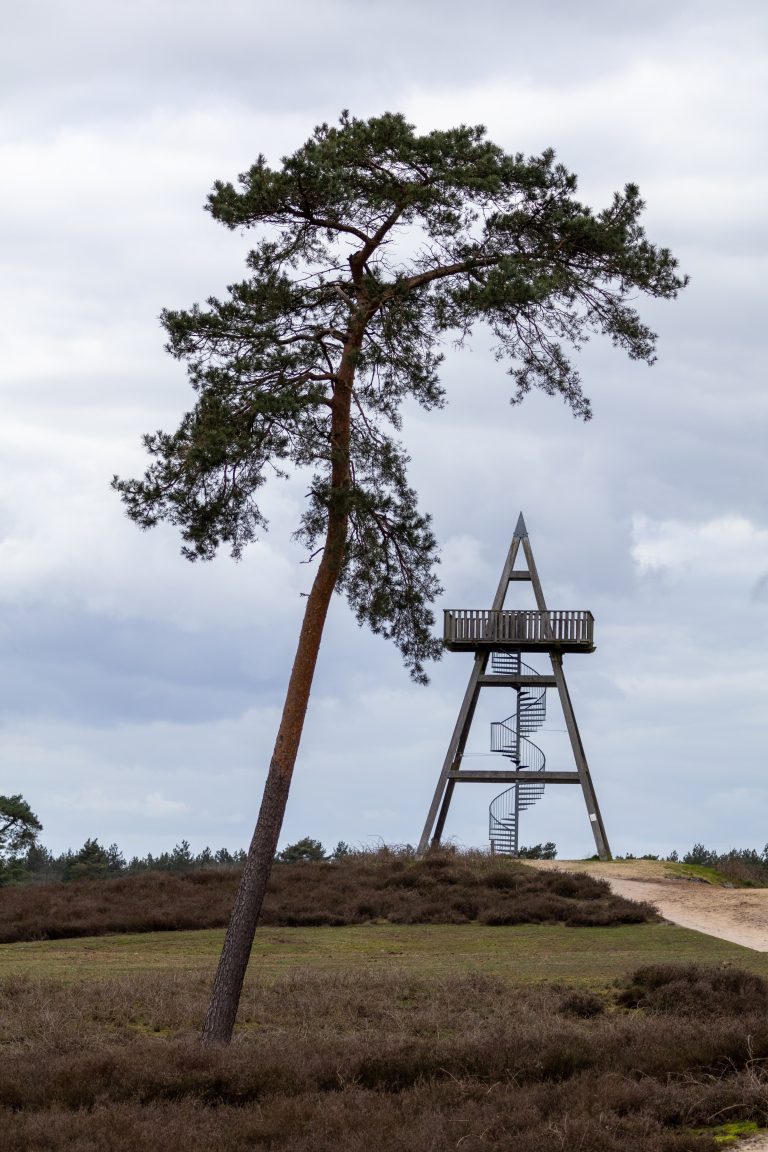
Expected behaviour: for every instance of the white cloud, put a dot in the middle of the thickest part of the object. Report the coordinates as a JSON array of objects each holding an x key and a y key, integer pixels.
[
  {"x": 153, "y": 806},
  {"x": 726, "y": 547}
]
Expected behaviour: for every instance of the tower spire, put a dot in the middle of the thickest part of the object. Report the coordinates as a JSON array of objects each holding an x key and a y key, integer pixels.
[{"x": 520, "y": 529}]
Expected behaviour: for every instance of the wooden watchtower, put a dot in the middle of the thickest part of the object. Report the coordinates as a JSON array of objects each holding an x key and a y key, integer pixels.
[{"x": 500, "y": 636}]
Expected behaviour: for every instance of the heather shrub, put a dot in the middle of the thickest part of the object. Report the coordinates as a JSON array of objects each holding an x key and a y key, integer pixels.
[
  {"x": 503, "y": 879},
  {"x": 572, "y": 885},
  {"x": 581, "y": 1003},
  {"x": 695, "y": 990},
  {"x": 446, "y": 887},
  {"x": 602, "y": 915},
  {"x": 349, "y": 1060}
]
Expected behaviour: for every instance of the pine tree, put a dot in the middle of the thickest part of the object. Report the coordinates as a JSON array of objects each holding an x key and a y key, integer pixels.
[
  {"x": 374, "y": 245},
  {"x": 18, "y": 826}
]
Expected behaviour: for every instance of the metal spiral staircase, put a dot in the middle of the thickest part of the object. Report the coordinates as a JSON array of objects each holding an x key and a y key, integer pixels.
[{"x": 509, "y": 738}]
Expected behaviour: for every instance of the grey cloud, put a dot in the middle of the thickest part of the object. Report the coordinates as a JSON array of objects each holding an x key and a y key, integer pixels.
[
  {"x": 295, "y": 57},
  {"x": 88, "y": 670}
]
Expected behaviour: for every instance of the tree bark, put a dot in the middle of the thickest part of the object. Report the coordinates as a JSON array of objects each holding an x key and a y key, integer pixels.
[{"x": 228, "y": 981}]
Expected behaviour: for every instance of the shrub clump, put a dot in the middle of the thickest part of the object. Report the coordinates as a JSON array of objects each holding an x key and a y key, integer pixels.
[
  {"x": 581, "y": 1003},
  {"x": 695, "y": 990}
]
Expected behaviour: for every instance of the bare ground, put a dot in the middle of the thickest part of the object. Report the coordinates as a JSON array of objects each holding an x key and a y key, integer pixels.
[{"x": 736, "y": 914}]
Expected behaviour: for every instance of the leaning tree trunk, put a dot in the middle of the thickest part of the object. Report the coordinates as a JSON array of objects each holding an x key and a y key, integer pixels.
[{"x": 228, "y": 982}]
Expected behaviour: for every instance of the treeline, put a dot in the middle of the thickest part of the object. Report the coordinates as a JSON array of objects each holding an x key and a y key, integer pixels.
[
  {"x": 743, "y": 866},
  {"x": 94, "y": 862}
]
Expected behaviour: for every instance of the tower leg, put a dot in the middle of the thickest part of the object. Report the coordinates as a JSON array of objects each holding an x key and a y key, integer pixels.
[
  {"x": 438, "y": 833},
  {"x": 590, "y": 799},
  {"x": 444, "y": 790}
]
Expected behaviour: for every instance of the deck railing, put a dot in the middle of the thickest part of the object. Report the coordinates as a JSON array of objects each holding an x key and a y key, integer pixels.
[{"x": 479, "y": 625}]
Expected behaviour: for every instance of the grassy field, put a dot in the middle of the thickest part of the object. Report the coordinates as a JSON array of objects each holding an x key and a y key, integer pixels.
[
  {"x": 409, "y": 1038},
  {"x": 418, "y": 1038},
  {"x": 399, "y": 1032},
  {"x": 522, "y": 954}
]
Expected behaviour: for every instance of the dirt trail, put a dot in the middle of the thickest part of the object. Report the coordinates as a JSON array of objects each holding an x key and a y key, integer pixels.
[{"x": 736, "y": 914}]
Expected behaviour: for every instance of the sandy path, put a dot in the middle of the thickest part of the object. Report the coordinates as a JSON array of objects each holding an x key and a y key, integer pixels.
[
  {"x": 739, "y": 915},
  {"x": 736, "y": 914}
]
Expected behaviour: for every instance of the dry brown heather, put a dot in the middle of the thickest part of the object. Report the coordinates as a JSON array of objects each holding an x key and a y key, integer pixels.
[
  {"x": 443, "y": 888},
  {"x": 348, "y": 1062}
]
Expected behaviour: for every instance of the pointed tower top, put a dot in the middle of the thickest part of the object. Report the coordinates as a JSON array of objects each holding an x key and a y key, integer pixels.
[{"x": 520, "y": 528}]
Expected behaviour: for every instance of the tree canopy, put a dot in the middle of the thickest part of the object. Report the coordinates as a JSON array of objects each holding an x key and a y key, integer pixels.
[
  {"x": 303, "y": 850},
  {"x": 376, "y": 247},
  {"x": 18, "y": 825}
]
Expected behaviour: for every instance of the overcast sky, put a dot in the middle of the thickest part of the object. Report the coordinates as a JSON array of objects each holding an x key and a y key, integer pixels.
[{"x": 140, "y": 693}]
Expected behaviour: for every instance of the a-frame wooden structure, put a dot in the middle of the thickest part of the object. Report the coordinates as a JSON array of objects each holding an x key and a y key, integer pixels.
[{"x": 510, "y": 632}]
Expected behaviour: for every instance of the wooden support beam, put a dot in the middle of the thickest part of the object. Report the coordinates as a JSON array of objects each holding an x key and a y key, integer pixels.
[
  {"x": 579, "y": 755},
  {"x": 442, "y": 798},
  {"x": 440, "y": 824},
  {"x": 491, "y": 680},
  {"x": 477, "y": 776}
]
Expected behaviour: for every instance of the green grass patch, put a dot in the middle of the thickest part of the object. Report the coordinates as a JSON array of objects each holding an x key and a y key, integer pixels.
[
  {"x": 701, "y": 872},
  {"x": 728, "y": 1134},
  {"x": 525, "y": 954},
  {"x": 666, "y": 870}
]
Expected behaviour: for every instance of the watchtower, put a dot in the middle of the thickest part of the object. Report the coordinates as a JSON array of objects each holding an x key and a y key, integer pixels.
[{"x": 500, "y": 637}]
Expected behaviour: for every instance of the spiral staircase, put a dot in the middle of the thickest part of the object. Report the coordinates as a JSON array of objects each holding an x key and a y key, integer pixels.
[{"x": 510, "y": 738}]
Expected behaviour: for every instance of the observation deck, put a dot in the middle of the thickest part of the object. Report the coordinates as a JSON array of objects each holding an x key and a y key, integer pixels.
[{"x": 481, "y": 629}]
